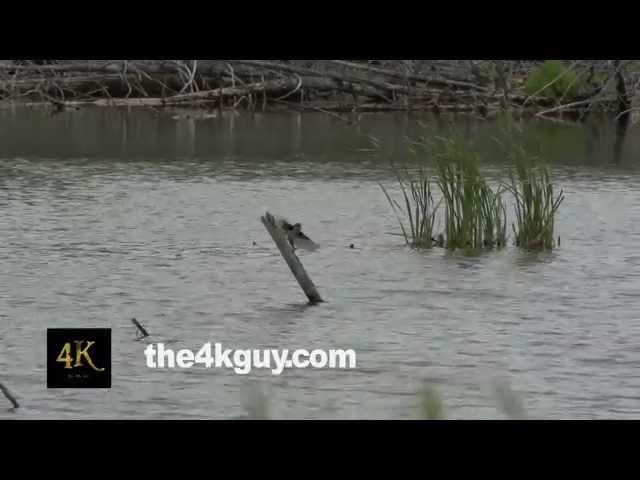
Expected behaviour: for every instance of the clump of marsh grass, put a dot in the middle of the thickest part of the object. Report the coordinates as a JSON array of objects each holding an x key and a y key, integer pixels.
[
  {"x": 418, "y": 208},
  {"x": 256, "y": 405},
  {"x": 509, "y": 402},
  {"x": 536, "y": 203},
  {"x": 475, "y": 215},
  {"x": 431, "y": 406}
]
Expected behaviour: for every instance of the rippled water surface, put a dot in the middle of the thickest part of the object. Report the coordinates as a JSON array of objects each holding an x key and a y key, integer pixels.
[{"x": 109, "y": 215}]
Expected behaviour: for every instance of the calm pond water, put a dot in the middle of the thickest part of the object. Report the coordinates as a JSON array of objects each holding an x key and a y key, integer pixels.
[{"x": 110, "y": 214}]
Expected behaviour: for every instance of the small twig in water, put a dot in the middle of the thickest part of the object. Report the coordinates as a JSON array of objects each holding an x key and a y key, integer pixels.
[
  {"x": 9, "y": 396},
  {"x": 142, "y": 333}
]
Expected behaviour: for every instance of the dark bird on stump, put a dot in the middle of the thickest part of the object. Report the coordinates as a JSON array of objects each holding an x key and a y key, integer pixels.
[{"x": 296, "y": 238}]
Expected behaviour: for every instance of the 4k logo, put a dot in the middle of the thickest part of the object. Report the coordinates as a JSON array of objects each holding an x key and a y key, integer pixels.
[
  {"x": 78, "y": 358},
  {"x": 66, "y": 358}
]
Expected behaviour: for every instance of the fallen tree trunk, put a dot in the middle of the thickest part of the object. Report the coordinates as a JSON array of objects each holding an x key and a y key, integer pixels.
[
  {"x": 284, "y": 86},
  {"x": 122, "y": 66},
  {"x": 271, "y": 88},
  {"x": 412, "y": 77},
  {"x": 381, "y": 86},
  {"x": 572, "y": 107}
]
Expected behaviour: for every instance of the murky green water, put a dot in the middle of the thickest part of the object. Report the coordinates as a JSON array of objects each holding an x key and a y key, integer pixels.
[{"x": 109, "y": 215}]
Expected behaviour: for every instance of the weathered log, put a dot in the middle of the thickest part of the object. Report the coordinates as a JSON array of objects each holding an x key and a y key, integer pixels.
[
  {"x": 291, "y": 258},
  {"x": 328, "y": 84},
  {"x": 70, "y": 82},
  {"x": 190, "y": 98},
  {"x": 121, "y": 66},
  {"x": 572, "y": 106},
  {"x": 78, "y": 86},
  {"x": 79, "y": 67},
  {"x": 271, "y": 88},
  {"x": 412, "y": 77},
  {"x": 274, "y": 87},
  {"x": 383, "y": 87}
]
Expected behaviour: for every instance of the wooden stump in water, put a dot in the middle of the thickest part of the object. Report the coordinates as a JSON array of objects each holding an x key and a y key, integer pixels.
[{"x": 291, "y": 258}]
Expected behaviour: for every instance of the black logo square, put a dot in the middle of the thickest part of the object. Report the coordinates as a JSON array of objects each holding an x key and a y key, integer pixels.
[{"x": 78, "y": 358}]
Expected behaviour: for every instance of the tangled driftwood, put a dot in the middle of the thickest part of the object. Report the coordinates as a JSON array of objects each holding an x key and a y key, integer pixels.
[{"x": 329, "y": 85}]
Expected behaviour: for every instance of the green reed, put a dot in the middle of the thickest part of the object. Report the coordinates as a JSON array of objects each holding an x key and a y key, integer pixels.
[
  {"x": 508, "y": 402},
  {"x": 431, "y": 404},
  {"x": 475, "y": 215},
  {"x": 536, "y": 204},
  {"x": 418, "y": 208},
  {"x": 494, "y": 217}
]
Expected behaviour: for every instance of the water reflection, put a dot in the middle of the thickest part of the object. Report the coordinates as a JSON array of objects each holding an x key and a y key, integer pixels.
[{"x": 292, "y": 140}]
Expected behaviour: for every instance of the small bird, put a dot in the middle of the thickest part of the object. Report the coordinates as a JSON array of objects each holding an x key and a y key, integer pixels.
[{"x": 296, "y": 238}]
